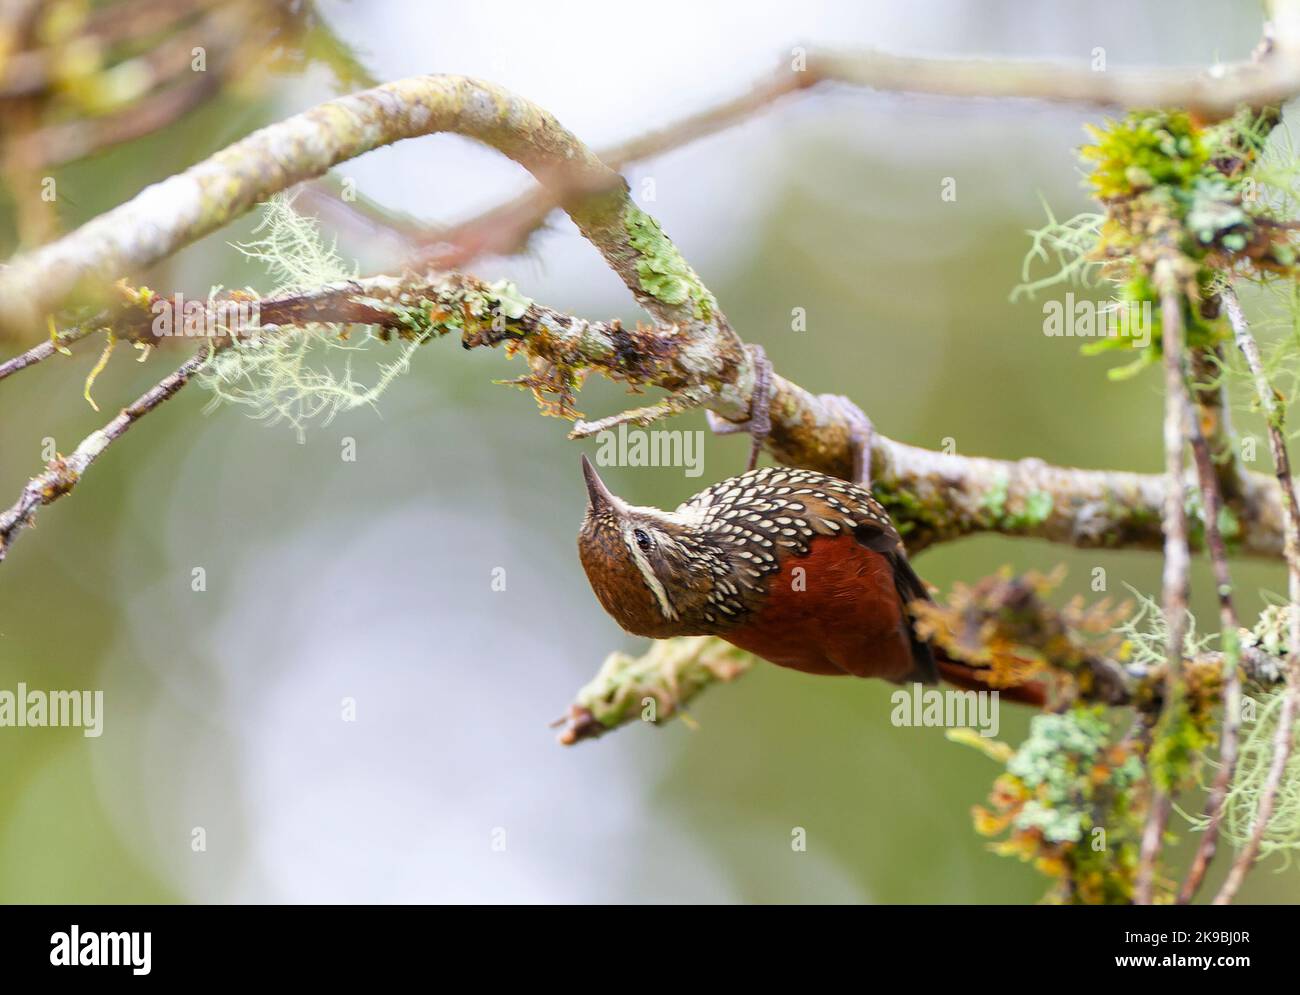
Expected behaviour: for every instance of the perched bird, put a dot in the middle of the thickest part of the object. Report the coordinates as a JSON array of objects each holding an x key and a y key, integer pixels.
[{"x": 800, "y": 568}]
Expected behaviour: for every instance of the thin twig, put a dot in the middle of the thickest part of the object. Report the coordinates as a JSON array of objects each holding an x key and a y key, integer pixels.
[
  {"x": 44, "y": 350},
  {"x": 505, "y": 229},
  {"x": 1211, "y": 95},
  {"x": 1177, "y": 557},
  {"x": 1229, "y": 626},
  {"x": 63, "y": 472},
  {"x": 1284, "y": 738},
  {"x": 1213, "y": 423}
]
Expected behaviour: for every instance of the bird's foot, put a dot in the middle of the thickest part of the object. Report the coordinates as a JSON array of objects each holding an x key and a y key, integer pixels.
[
  {"x": 759, "y": 423},
  {"x": 861, "y": 434}
]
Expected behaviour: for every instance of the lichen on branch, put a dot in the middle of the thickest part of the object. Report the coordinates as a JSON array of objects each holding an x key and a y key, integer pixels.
[{"x": 652, "y": 687}]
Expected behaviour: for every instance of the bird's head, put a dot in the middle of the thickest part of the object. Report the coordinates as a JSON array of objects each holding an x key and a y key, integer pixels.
[{"x": 649, "y": 568}]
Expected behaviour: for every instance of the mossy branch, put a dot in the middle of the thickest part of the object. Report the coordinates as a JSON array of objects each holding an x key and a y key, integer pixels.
[
  {"x": 653, "y": 687},
  {"x": 1001, "y": 623},
  {"x": 933, "y": 497},
  {"x": 209, "y": 195}
]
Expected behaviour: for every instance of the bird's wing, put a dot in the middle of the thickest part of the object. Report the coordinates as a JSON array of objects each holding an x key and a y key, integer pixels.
[{"x": 910, "y": 588}]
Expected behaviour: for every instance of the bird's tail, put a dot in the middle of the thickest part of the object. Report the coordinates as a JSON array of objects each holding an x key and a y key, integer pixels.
[
  {"x": 932, "y": 664},
  {"x": 971, "y": 678}
]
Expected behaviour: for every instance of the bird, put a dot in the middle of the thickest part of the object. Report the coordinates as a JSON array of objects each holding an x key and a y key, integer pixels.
[{"x": 800, "y": 568}]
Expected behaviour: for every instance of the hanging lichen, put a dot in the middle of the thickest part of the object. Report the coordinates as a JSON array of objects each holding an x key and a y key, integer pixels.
[
  {"x": 1254, "y": 762},
  {"x": 302, "y": 374}
]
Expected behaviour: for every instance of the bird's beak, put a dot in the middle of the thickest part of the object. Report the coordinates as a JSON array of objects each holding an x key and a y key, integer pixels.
[{"x": 597, "y": 493}]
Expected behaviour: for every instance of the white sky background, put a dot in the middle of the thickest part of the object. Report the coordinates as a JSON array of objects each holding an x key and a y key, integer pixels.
[{"x": 450, "y": 740}]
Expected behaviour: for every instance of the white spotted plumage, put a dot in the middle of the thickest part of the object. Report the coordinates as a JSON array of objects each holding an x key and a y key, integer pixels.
[{"x": 760, "y": 512}]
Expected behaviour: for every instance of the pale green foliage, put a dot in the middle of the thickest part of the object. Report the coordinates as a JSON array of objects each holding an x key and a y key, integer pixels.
[
  {"x": 1254, "y": 759},
  {"x": 1276, "y": 323},
  {"x": 292, "y": 249},
  {"x": 1277, "y": 174},
  {"x": 1146, "y": 633},
  {"x": 304, "y": 374},
  {"x": 1064, "y": 247}
]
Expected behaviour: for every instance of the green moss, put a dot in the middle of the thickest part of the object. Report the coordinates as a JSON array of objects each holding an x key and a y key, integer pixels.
[
  {"x": 1032, "y": 511},
  {"x": 1171, "y": 186},
  {"x": 1229, "y": 525},
  {"x": 995, "y": 499},
  {"x": 661, "y": 270},
  {"x": 1160, "y": 173},
  {"x": 1143, "y": 150},
  {"x": 1182, "y": 736},
  {"x": 912, "y": 516},
  {"x": 311, "y": 373},
  {"x": 1038, "y": 506},
  {"x": 1049, "y": 763}
]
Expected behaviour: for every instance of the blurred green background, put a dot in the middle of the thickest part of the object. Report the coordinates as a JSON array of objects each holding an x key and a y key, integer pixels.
[{"x": 371, "y": 579}]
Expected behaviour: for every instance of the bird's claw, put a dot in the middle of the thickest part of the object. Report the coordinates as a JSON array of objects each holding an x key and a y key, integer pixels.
[
  {"x": 861, "y": 434},
  {"x": 724, "y": 426},
  {"x": 758, "y": 426}
]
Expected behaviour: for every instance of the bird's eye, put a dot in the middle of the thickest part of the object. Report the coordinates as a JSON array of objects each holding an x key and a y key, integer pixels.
[{"x": 642, "y": 539}]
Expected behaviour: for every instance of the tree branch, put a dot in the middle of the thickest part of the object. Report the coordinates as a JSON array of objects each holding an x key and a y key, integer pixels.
[
  {"x": 1212, "y": 500},
  {"x": 691, "y": 352},
  {"x": 933, "y": 497},
  {"x": 1085, "y": 508},
  {"x": 1285, "y": 737},
  {"x": 1213, "y": 422},
  {"x": 63, "y": 472},
  {"x": 1176, "y": 582},
  {"x": 44, "y": 349},
  {"x": 505, "y": 229},
  {"x": 1000, "y": 608},
  {"x": 1210, "y": 95},
  {"x": 169, "y": 215}
]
